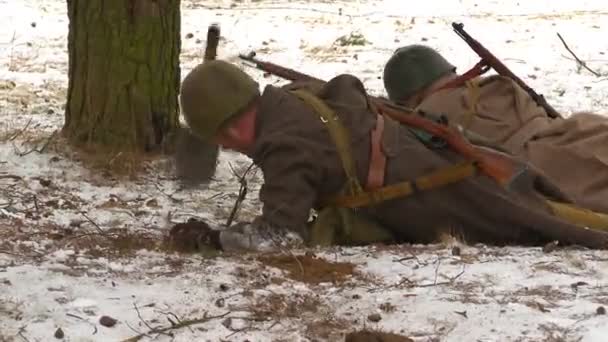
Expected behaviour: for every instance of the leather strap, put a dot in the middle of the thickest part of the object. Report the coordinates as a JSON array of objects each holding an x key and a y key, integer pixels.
[
  {"x": 377, "y": 160},
  {"x": 339, "y": 134},
  {"x": 442, "y": 177},
  {"x": 579, "y": 216},
  {"x": 477, "y": 70}
]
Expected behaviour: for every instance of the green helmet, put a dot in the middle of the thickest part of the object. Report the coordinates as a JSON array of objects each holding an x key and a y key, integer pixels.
[
  {"x": 212, "y": 93},
  {"x": 412, "y": 68}
]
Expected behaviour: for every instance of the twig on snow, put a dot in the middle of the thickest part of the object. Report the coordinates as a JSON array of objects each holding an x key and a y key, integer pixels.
[
  {"x": 238, "y": 331},
  {"x": 35, "y": 255},
  {"x": 101, "y": 231},
  {"x": 20, "y": 333},
  {"x": 35, "y": 149},
  {"x": 404, "y": 259},
  {"x": 170, "y": 314},
  {"x": 21, "y": 130},
  {"x": 290, "y": 253},
  {"x": 36, "y": 203},
  {"x": 411, "y": 257},
  {"x": 75, "y": 316},
  {"x": 448, "y": 282},
  {"x": 136, "y": 331},
  {"x": 84, "y": 320},
  {"x": 141, "y": 318},
  {"x": 182, "y": 324},
  {"x": 403, "y": 282},
  {"x": 578, "y": 60},
  {"x": 437, "y": 270},
  {"x": 144, "y": 321},
  {"x": 168, "y": 195},
  {"x": 48, "y": 141},
  {"x": 13, "y": 177},
  {"x": 242, "y": 193}
]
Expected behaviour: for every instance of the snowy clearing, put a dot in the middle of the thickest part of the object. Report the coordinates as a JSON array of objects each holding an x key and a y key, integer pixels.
[{"x": 77, "y": 244}]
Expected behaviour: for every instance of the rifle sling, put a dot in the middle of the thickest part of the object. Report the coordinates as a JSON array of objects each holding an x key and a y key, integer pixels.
[
  {"x": 477, "y": 70},
  {"x": 579, "y": 216},
  {"x": 442, "y": 177},
  {"x": 339, "y": 135}
]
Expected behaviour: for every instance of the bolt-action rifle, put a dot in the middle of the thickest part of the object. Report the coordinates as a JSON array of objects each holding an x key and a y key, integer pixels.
[
  {"x": 492, "y": 61},
  {"x": 496, "y": 165}
]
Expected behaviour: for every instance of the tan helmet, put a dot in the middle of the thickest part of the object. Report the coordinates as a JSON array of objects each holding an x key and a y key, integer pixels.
[{"x": 213, "y": 92}]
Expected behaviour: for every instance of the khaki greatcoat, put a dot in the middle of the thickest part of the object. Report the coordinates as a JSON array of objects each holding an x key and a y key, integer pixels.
[{"x": 571, "y": 152}]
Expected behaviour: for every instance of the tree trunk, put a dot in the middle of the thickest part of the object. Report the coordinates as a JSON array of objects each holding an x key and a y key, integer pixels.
[{"x": 124, "y": 72}]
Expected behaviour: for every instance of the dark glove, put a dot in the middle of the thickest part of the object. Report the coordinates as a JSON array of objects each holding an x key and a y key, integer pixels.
[{"x": 194, "y": 237}]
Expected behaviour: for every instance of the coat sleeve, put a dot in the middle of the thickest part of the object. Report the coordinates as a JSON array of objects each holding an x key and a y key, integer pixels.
[{"x": 291, "y": 181}]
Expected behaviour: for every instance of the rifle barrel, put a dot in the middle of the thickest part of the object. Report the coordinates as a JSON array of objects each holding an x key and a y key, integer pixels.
[
  {"x": 277, "y": 70},
  {"x": 489, "y": 59}
]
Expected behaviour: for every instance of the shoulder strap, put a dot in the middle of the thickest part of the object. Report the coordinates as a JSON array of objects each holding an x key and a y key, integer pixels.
[
  {"x": 579, "y": 216},
  {"x": 339, "y": 135},
  {"x": 477, "y": 70}
]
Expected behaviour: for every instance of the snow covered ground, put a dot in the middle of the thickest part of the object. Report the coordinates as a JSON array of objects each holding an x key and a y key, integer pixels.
[{"x": 77, "y": 244}]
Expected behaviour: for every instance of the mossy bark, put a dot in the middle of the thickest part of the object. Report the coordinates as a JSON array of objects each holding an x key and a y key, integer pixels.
[{"x": 124, "y": 72}]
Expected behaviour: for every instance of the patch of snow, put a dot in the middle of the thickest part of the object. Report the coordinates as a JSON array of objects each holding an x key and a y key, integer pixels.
[{"x": 484, "y": 294}]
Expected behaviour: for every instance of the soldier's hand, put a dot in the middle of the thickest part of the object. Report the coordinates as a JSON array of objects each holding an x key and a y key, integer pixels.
[
  {"x": 258, "y": 236},
  {"x": 194, "y": 237}
]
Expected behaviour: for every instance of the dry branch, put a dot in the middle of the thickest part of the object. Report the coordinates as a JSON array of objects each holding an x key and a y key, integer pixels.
[
  {"x": 578, "y": 60},
  {"x": 179, "y": 325},
  {"x": 18, "y": 133},
  {"x": 242, "y": 193}
]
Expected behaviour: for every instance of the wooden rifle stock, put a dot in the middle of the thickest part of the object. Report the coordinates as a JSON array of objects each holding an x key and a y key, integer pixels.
[
  {"x": 494, "y": 164},
  {"x": 213, "y": 40},
  {"x": 492, "y": 61}
]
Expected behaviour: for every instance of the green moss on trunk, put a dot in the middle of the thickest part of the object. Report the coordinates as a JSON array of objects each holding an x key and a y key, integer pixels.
[{"x": 124, "y": 72}]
